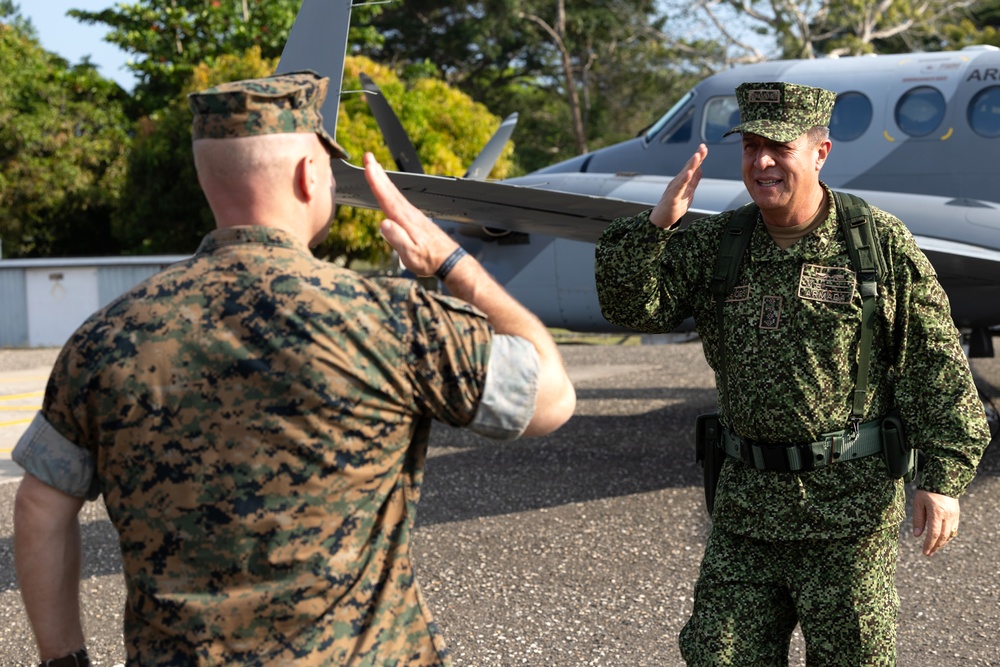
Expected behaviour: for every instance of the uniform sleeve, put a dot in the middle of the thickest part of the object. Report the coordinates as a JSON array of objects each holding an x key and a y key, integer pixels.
[
  {"x": 46, "y": 454},
  {"x": 508, "y": 401},
  {"x": 464, "y": 374},
  {"x": 935, "y": 392},
  {"x": 639, "y": 284},
  {"x": 53, "y": 449}
]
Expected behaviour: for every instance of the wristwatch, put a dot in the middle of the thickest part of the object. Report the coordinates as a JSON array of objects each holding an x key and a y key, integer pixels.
[{"x": 78, "y": 659}]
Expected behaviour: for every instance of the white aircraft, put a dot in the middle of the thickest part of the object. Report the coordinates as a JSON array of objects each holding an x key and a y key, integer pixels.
[{"x": 917, "y": 135}]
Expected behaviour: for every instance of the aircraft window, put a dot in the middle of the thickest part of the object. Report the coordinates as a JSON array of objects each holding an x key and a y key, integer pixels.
[
  {"x": 681, "y": 134},
  {"x": 984, "y": 112},
  {"x": 920, "y": 110},
  {"x": 669, "y": 116},
  {"x": 852, "y": 114},
  {"x": 721, "y": 115}
]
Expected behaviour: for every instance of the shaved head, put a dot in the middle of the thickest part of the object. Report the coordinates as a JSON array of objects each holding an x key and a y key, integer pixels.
[
  {"x": 248, "y": 161},
  {"x": 272, "y": 180}
]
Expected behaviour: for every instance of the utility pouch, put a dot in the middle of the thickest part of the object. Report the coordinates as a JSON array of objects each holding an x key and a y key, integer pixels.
[
  {"x": 709, "y": 453},
  {"x": 900, "y": 459}
]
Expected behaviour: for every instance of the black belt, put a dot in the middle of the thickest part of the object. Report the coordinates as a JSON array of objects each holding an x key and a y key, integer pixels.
[{"x": 843, "y": 445}]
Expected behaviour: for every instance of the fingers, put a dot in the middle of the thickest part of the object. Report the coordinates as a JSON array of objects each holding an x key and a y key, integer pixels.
[
  {"x": 677, "y": 198},
  {"x": 694, "y": 162},
  {"x": 936, "y": 517},
  {"x": 420, "y": 243},
  {"x": 390, "y": 199}
]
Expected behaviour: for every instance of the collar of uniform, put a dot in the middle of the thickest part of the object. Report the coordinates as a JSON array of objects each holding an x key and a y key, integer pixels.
[
  {"x": 815, "y": 245},
  {"x": 236, "y": 236}
]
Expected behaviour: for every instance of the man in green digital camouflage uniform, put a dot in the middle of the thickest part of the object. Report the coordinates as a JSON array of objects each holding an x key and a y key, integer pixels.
[
  {"x": 257, "y": 420},
  {"x": 817, "y": 548}
]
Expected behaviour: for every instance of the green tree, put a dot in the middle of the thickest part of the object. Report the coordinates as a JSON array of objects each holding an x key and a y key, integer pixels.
[
  {"x": 164, "y": 211},
  {"x": 807, "y": 28},
  {"x": 580, "y": 75},
  {"x": 447, "y": 128},
  {"x": 980, "y": 26},
  {"x": 63, "y": 147},
  {"x": 169, "y": 38}
]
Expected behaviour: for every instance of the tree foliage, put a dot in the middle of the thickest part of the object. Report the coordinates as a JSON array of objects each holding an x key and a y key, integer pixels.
[
  {"x": 447, "y": 128},
  {"x": 810, "y": 28},
  {"x": 169, "y": 38},
  {"x": 63, "y": 145},
  {"x": 580, "y": 75},
  {"x": 164, "y": 211}
]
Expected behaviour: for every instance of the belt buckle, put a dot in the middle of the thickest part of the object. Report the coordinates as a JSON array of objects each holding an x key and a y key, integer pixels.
[{"x": 834, "y": 454}]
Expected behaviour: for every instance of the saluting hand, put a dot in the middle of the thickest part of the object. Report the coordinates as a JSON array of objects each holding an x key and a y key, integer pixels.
[
  {"x": 677, "y": 198},
  {"x": 422, "y": 245}
]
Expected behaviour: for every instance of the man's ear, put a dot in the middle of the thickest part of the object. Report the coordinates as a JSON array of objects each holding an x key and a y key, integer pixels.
[
  {"x": 306, "y": 175},
  {"x": 823, "y": 152}
]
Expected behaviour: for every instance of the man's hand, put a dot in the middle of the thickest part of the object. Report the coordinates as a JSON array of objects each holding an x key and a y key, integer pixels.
[
  {"x": 422, "y": 246},
  {"x": 936, "y": 518},
  {"x": 677, "y": 198}
]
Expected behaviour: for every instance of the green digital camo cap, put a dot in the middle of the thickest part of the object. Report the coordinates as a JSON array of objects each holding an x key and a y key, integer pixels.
[
  {"x": 278, "y": 104},
  {"x": 782, "y": 112}
]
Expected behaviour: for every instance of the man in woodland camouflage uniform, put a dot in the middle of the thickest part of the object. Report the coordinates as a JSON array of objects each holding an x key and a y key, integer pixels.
[
  {"x": 817, "y": 548},
  {"x": 257, "y": 420}
]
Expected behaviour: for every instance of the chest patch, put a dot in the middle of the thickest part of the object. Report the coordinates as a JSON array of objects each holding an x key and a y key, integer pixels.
[
  {"x": 770, "y": 312},
  {"x": 827, "y": 284},
  {"x": 739, "y": 293}
]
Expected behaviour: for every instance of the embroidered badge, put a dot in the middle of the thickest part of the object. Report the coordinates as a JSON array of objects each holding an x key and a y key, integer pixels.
[
  {"x": 770, "y": 312},
  {"x": 764, "y": 95},
  {"x": 739, "y": 293},
  {"x": 827, "y": 284}
]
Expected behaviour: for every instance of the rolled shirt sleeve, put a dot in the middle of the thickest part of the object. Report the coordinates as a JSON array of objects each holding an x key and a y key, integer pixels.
[
  {"x": 508, "y": 400},
  {"x": 46, "y": 454}
]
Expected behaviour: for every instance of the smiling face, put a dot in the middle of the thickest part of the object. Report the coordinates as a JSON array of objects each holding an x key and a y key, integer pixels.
[{"x": 783, "y": 178}]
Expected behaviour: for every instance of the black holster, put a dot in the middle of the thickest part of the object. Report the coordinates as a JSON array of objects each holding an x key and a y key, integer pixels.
[
  {"x": 900, "y": 459},
  {"x": 709, "y": 453}
]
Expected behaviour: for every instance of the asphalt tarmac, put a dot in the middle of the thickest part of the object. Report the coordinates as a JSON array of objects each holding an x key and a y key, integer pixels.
[{"x": 582, "y": 547}]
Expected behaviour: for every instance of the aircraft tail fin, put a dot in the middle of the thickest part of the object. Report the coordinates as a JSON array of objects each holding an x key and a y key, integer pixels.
[{"x": 318, "y": 41}]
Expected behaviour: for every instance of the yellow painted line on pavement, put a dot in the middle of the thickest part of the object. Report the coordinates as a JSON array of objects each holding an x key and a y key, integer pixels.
[
  {"x": 6, "y": 450},
  {"x": 19, "y": 408},
  {"x": 30, "y": 394},
  {"x": 14, "y": 397},
  {"x": 16, "y": 421}
]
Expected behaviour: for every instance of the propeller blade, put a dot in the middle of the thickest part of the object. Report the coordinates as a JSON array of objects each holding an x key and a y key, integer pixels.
[
  {"x": 403, "y": 152},
  {"x": 483, "y": 164}
]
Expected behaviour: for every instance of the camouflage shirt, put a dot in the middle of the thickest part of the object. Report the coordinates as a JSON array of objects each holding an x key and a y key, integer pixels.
[
  {"x": 258, "y": 423},
  {"x": 792, "y": 327}
]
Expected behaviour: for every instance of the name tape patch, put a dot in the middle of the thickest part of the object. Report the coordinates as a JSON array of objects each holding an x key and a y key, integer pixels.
[
  {"x": 764, "y": 95},
  {"x": 826, "y": 284}
]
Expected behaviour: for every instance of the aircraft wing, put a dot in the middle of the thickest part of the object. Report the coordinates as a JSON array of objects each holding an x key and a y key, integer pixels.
[{"x": 531, "y": 205}]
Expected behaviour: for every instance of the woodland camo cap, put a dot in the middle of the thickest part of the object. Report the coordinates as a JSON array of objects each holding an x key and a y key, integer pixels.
[
  {"x": 278, "y": 104},
  {"x": 780, "y": 111}
]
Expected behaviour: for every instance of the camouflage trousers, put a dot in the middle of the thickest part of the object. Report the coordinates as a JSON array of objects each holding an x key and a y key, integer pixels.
[{"x": 750, "y": 594}]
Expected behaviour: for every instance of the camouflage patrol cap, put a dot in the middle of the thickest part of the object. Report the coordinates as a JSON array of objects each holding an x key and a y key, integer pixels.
[
  {"x": 278, "y": 104},
  {"x": 782, "y": 112}
]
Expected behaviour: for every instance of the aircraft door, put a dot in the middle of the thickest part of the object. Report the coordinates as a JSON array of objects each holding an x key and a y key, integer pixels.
[{"x": 921, "y": 130}]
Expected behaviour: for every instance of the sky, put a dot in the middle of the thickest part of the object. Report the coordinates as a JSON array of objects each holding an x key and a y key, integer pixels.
[{"x": 74, "y": 39}]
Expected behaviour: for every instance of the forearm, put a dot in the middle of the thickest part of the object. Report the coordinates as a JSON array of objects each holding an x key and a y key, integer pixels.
[
  {"x": 627, "y": 265},
  {"x": 948, "y": 423},
  {"x": 556, "y": 397},
  {"x": 47, "y": 556}
]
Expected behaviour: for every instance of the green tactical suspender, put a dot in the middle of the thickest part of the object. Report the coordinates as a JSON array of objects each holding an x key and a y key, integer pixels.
[{"x": 855, "y": 219}]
